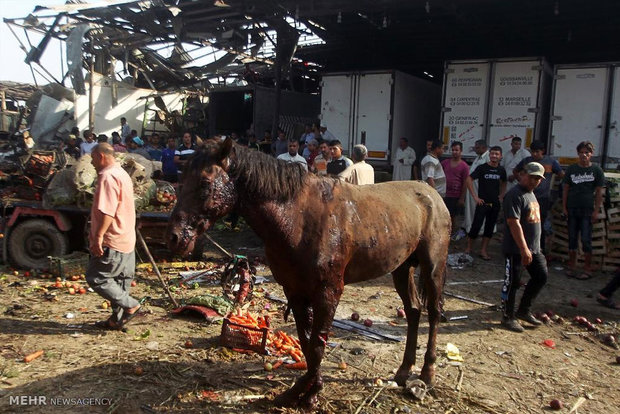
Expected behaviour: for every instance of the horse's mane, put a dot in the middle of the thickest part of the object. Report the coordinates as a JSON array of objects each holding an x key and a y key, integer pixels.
[
  {"x": 265, "y": 177},
  {"x": 255, "y": 173}
]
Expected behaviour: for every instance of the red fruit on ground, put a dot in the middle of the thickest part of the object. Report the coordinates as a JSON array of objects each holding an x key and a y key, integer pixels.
[
  {"x": 367, "y": 322},
  {"x": 556, "y": 404},
  {"x": 574, "y": 303}
]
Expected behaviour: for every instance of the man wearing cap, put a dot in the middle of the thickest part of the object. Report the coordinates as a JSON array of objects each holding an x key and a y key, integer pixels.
[
  {"x": 136, "y": 146},
  {"x": 543, "y": 191},
  {"x": 521, "y": 247},
  {"x": 339, "y": 162}
]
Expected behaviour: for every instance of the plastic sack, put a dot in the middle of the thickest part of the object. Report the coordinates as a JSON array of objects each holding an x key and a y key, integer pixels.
[{"x": 61, "y": 191}]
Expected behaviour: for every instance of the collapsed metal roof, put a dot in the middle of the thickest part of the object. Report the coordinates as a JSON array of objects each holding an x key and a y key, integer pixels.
[{"x": 168, "y": 44}]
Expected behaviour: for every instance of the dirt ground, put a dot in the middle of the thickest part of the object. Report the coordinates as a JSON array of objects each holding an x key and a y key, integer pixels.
[{"x": 149, "y": 368}]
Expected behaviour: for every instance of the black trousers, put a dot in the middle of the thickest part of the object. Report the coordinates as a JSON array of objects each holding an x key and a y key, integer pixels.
[
  {"x": 612, "y": 286},
  {"x": 488, "y": 213},
  {"x": 512, "y": 279}
]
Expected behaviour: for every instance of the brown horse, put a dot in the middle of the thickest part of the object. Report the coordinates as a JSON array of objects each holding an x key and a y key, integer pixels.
[{"x": 319, "y": 235}]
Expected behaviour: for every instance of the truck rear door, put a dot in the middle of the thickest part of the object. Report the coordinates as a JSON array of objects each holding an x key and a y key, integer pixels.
[
  {"x": 513, "y": 103},
  {"x": 336, "y": 106},
  {"x": 613, "y": 134},
  {"x": 578, "y": 112},
  {"x": 374, "y": 114}
]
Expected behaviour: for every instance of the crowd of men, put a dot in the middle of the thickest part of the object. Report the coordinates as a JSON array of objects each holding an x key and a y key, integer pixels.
[
  {"x": 172, "y": 153},
  {"x": 514, "y": 186}
]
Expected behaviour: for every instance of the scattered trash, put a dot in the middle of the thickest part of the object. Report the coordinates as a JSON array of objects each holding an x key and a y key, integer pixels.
[
  {"x": 417, "y": 388},
  {"x": 459, "y": 260},
  {"x": 479, "y": 302},
  {"x": 550, "y": 343},
  {"x": 475, "y": 282},
  {"x": 558, "y": 268},
  {"x": 33, "y": 356},
  {"x": 70, "y": 315},
  {"x": 363, "y": 330},
  {"x": 219, "y": 303},
  {"x": 152, "y": 346},
  {"x": 453, "y": 353},
  {"x": 458, "y": 318}
]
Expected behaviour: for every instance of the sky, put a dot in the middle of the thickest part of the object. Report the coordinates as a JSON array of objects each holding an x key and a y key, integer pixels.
[{"x": 12, "y": 66}]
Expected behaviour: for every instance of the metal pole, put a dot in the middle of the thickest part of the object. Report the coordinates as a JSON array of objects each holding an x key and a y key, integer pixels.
[
  {"x": 91, "y": 98},
  {"x": 161, "y": 279}
]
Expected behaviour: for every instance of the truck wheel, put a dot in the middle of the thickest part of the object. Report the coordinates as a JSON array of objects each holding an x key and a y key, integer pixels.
[{"x": 31, "y": 241}]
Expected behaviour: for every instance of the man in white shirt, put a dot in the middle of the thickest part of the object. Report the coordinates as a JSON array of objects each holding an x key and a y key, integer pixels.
[
  {"x": 512, "y": 158},
  {"x": 327, "y": 136},
  {"x": 125, "y": 129},
  {"x": 293, "y": 156},
  {"x": 359, "y": 173},
  {"x": 87, "y": 146},
  {"x": 403, "y": 161},
  {"x": 480, "y": 147},
  {"x": 432, "y": 171}
]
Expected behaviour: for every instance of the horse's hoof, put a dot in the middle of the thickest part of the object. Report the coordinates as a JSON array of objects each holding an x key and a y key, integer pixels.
[
  {"x": 308, "y": 402},
  {"x": 428, "y": 375},
  {"x": 401, "y": 378},
  {"x": 286, "y": 400}
]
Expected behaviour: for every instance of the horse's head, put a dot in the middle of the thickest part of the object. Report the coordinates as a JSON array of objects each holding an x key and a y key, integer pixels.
[{"x": 207, "y": 193}]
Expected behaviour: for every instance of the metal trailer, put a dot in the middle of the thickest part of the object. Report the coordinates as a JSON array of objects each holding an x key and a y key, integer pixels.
[
  {"x": 376, "y": 108},
  {"x": 495, "y": 100},
  {"x": 31, "y": 233},
  {"x": 586, "y": 107}
]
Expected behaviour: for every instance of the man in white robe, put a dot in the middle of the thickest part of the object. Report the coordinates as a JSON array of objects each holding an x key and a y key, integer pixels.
[{"x": 403, "y": 161}]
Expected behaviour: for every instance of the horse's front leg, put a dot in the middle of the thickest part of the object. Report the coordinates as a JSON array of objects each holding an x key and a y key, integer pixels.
[
  {"x": 302, "y": 312},
  {"x": 324, "y": 304}
]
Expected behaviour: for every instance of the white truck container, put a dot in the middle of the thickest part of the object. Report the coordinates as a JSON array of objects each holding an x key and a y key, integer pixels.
[
  {"x": 377, "y": 109},
  {"x": 495, "y": 100},
  {"x": 585, "y": 107}
]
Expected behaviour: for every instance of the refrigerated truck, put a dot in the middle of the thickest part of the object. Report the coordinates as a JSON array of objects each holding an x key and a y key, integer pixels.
[
  {"x": 377, "y": 108},
  {"x": 495, "y": 100},
  {"x": 586, "y": 107}
]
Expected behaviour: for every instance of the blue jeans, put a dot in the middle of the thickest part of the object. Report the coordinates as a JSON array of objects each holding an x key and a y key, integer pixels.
[{"x": 580, "y": 220}]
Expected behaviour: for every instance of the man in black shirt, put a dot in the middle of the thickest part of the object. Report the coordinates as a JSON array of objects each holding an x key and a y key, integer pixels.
[
  {"x": 491, "y": 188},
  {"x": 521, "y": 247}
]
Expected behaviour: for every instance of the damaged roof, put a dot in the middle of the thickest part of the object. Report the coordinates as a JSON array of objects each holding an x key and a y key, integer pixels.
[{"x": 198, "y": 43}]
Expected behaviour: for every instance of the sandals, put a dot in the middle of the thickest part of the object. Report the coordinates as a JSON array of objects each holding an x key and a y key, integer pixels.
[
  {"x": 128, "y": 317},
  {"x": 108, "y": 325},
  {"x": 607, "y": 302},
  {"x": 487, "y": 258},
  {"x": 579, "y": 276},
  {"x": 111, "y": 324}
]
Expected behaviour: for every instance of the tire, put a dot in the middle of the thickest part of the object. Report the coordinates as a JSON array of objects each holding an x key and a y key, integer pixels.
[{"x": 32, "y": 241}]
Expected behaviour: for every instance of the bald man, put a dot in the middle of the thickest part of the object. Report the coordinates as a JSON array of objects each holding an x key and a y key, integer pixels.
[{"x": 112, "y": 238}]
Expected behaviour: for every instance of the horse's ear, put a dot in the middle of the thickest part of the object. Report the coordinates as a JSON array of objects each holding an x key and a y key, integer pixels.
[{"x": 226, "y": 148}]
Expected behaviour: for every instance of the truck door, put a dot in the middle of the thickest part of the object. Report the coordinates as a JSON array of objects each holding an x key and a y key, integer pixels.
[
  {"x": 514, "y": 100},
  {"x": 464, "y": 104},
  {"x": 578, "y": 112},
  {"x": 336, "y": 106},
  {"x": 613, "y": 133},
  {"x": 374, "y": 114}
]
